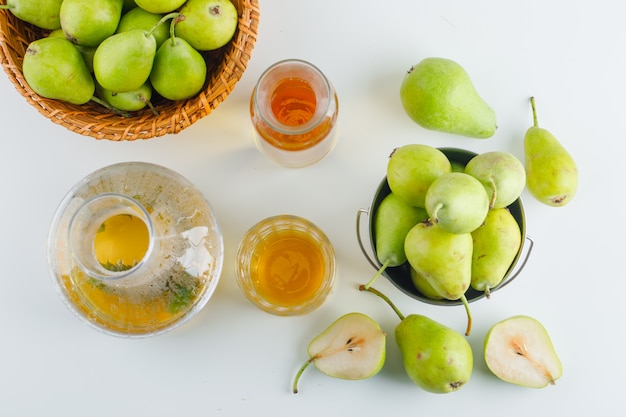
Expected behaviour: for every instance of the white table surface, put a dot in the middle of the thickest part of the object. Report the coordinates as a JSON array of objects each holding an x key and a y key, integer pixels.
[{"x": 234, "y": 359}]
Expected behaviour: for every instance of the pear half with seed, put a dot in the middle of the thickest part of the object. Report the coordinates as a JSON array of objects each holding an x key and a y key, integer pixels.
[
  {"x": 519, "y": 350},
  {"x": 353, "y": 347}
]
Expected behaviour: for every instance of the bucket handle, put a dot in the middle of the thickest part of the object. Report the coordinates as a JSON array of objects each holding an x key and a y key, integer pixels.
[
  {"x": 375, "y": 265},
  {"x": 359, "y": 213}
]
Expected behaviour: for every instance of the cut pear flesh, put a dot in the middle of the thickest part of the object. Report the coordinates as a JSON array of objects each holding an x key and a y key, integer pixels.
[
  {"x": 353, "y": 347},
  {"x": 519, "y": 350}
]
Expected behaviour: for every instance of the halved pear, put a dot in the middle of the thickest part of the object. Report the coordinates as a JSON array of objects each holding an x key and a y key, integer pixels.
[
  {"x": 353, "y": 347},
  {"x": 519, "y": 350}
]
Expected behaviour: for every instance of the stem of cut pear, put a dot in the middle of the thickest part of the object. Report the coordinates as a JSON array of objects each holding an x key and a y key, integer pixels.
[
  {"x": 468, "y": 330},
  {"x": 306, "y": 364},
  {"x": 385, "y": 298},
  {"x": 377, "y": 274},
  {"x": 532, "y": 105}
]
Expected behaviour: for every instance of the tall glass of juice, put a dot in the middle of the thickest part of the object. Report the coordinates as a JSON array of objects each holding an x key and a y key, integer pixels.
[{"x": 294, "y": 110}]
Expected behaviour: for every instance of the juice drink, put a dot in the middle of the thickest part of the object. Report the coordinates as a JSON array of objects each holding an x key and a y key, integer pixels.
[{"x": 294, "y": 111}]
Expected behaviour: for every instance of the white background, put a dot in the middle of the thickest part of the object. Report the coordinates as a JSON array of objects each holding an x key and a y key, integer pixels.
[{"x": 233, "y": 358}]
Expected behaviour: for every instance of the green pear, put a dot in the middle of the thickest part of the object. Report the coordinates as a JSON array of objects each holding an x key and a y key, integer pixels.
[
  {"x": 457, "y": 202},
  {"x": 519, "y": 350},
  {"x": 208, "y": 24},
  {"x": 495, "y": 245},
  {"x": 444, "y": 259},
  {"x": 423, "y": 286},
  {"x": 502, "y": 174},
  {"x": 438, "y": 94},
  {"x": 88, "y": 22},
  {"x": 133, "y": 100},
  {"x": 551, "y": 172},
  {"x": 86, "y": 51},
  {"x": 159, "y": 6},
  {"x": 412, "y": 169},
  {"x": 179, "y": 71},
  {"x": 123, "y": 61},
  {"x": 436, "y": 358},
  {"x": 353, "y": 347},
  {"x": 54, "y": 68},
  {"x": 138, "y": 18},
  {"x": 392, "y": 221},
  {"x": 43, "y": 14}
]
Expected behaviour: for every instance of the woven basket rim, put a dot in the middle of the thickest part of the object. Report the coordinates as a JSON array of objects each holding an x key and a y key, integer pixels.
[{"x": 226, "y": 67}]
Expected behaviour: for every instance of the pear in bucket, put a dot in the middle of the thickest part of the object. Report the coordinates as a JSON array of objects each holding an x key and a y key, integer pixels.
[
  {"x": 353, "y": 347},
  {"x": 502, "y": 175},
  {"x": 457, "y": 202},
  {"x": 436, "y": 358},
  {"x": 411, "y": 170},
  {"x": 443, "y": 259},
  {"x": 393, "y": 220},
  {"x": 495, "y": 245}
]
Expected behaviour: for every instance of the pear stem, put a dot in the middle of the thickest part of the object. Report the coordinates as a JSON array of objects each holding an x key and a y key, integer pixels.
[
  {"x": 173, "y": 15},
  {"x": 468, "y": 330},
  {"x": 306, "y": 364},
  {"x": 108, "y": 106},
  {"x": 377, "y": 274},
  {"x": 385, "y": 298},
  {"x": 532, "y": 105}
]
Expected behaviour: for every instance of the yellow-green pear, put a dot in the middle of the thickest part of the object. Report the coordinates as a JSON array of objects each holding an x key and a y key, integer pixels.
[
  {"x": 438, "y": 94},
  {"x": 495, "y": 245},
  {"x": 444, "y": 259},
  {"x": 43, "y": 14},
  {"x": 457, "y": 202},
  {"x": 392, "y": 221},
  {"x": 86, "y": 51},
  {"x": 501, "y": 173},
  {"x": 179, "y": 71},
  {"x": 87, "y": 22},
  {"x": 423, "y": 286},
  {"x": 123, "y": 61},
  {"x": 411, "y": 170},
  {"x": 54, "y": 68},
  {"x": 138, "y": 18},
  {"x": 133, "y": 100},
  {"x": 208, "y": 24},
  {"x": 551, "y": 172},
  {"x": 436, "y": 358},
  {"x": 159, "y": 6}
]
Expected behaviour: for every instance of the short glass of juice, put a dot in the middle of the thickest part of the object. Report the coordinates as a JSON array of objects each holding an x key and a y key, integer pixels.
[
  {"x": 285, "y": 265},
  {"x": 294, "y": 110}
]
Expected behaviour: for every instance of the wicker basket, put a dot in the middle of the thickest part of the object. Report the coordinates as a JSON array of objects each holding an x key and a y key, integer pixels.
[{"x": 225, "y": 68}]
